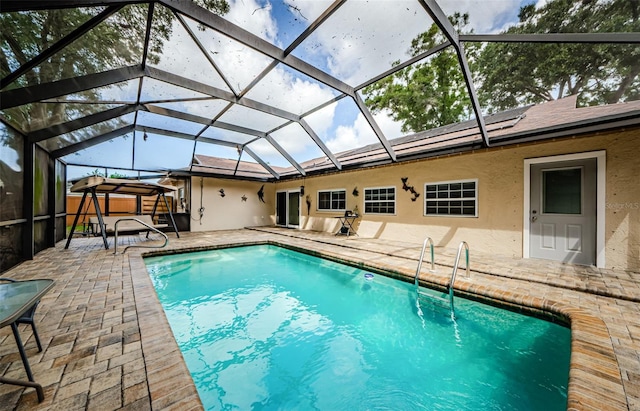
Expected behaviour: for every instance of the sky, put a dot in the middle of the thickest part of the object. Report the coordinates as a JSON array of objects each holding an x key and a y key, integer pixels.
[{"x": 353, "y": 45}]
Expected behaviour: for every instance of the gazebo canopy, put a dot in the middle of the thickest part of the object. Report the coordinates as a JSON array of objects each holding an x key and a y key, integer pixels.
[
  {"x": 150, "y": 87},
  {"x": 120, "y": 186}
]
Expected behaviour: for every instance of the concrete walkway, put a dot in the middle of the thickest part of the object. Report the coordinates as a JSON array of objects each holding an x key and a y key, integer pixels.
[{"x": 107, "y": 344}]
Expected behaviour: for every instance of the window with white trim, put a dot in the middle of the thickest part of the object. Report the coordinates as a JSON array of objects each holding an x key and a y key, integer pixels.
[
  {"x": 380, "y": 200},
  {"x": 451, "y": 198},
  {"x": 332, "y": 200}
]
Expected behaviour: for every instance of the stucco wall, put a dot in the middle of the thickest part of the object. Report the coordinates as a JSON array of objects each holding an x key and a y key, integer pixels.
[
  {"x": 231, "y": 211},
  {"x": 500, "y": 174},
  {"x": 622, "y": 234}
]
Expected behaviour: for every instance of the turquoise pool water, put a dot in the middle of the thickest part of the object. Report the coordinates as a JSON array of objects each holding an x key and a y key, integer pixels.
[{"x": 267, "y": 328}]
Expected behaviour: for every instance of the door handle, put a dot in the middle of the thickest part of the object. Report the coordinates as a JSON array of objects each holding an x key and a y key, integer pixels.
[{"x": 533, "y": 219}]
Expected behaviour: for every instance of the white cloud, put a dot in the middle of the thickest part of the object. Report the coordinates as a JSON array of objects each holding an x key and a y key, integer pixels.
[
  {"x": 308, "y": 9},
  {"x": 293, "y": 139},
  {"x": 350, "y": 137},
  {"x": 390, "y": 127},
  {"x": 322, "y": 120},
  {"x": 360, "y": 42},
  {"x": 253, "y": 17},
  {"x": 280, "y": 88},
  {"x": 10, "y": 157},
  {"x": 541, "y": 3},
  {"x": 357, "y": 45},
  {"x": 483, "y": 14},
  {"x": 357, "y": 134}
]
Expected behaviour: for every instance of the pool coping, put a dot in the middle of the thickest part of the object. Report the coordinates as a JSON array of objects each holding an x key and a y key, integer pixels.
[{"x": 595, "y": 382}]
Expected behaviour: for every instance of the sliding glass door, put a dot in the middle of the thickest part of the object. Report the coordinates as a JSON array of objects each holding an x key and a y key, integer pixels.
[{"x": 288, "y": 209}]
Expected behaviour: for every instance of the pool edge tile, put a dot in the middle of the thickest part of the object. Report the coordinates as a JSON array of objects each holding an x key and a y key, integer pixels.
[
  {"x": 160, "y": 349},
  {"x": 586, "y": 389}
]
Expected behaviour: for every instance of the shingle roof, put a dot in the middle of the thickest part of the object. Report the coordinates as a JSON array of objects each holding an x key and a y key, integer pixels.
[
  {"x": 509, "y": 127},
  {"x": 223, "y": 166}
]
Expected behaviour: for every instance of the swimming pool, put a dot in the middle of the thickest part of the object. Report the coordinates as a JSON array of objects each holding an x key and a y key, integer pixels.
[{"x": 264, "y": 327}]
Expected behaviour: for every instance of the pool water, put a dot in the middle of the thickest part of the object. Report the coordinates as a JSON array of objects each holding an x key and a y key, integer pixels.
[{"x": 263, "y": 327}]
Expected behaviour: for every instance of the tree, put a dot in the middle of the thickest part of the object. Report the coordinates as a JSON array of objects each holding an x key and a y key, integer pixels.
[
  {"x": 508, "y": 75},
  {"x": 103, "y": 173},
  {"x": 427, "y": 94},
  {"x": 515, "y": 74},
  {"x": 116, "y": 42}
]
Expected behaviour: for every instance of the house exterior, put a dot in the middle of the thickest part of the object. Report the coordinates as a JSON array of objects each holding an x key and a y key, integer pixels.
[{"x": 558, "y": 183}]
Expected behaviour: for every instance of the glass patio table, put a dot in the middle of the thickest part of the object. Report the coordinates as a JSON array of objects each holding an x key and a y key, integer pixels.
[{"x": 16, "y": 299}]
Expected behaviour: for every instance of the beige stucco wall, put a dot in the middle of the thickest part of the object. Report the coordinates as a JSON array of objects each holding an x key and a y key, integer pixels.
[
  {"x": 230, "y": 212},
  {"x": 622, "y": 233},
  {"x": 500, "y": 174}
]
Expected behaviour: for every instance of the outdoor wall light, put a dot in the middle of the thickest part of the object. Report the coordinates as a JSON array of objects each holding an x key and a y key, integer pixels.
[
  {"x": 301, "y": 190},
  {"x": 222, "y": 194},
  {"x": 145, "y": 136}
]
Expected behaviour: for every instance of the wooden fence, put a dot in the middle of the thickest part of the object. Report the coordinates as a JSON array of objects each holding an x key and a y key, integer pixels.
[{"x": 120, "y": 205}]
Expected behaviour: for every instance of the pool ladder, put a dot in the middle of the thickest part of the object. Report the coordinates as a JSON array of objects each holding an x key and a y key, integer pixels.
[
  {"x": 449, "y": 298},
  {"x": 151, "y": 228}
]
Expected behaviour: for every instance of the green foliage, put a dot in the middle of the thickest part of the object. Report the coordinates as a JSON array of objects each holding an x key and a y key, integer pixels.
[
  {"x": 116, "y": 42},
  {"x": 98, "y": 173},
  {"x": 515, "y": 74},
  {"x": 433, "y": 93},
  {"x": 428, "y": 94},
  {"x": 39, "y": 191}
]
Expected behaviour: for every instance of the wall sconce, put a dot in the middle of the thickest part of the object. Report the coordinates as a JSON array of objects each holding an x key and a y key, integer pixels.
[
  {"x": 222, "y": 194},
  {"x": 355, "y": 191},
  {"x": 145, "y": 136},
  {"x": 301, "y": 190}
]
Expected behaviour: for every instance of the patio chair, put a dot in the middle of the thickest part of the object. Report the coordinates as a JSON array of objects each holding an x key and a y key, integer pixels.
[{"x": 27, "y": 317}]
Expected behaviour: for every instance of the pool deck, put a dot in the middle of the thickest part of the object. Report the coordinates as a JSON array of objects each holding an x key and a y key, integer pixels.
[{"x": 108, "y": 346}]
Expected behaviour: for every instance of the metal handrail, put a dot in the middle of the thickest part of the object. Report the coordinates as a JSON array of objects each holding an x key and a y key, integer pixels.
[
  {"x": 455, "y": 270},
  {"x": 453, "y": 273},
  {"x": 115, "y": 248},
  {"x": 427, "y": 240}
]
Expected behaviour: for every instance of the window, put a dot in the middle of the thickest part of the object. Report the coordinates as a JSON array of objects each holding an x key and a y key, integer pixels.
[
  {"x": 332, "y": 200},
  {"x": 454, "y": 198},
  {"x": 380, "y": 200},
  {"x": 562, "y": 191}
]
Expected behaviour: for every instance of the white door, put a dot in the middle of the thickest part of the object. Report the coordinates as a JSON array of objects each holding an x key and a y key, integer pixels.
[{"x": 563, "y": 211}]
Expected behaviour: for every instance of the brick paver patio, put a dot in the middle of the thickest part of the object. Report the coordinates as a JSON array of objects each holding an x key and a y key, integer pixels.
[{"x": 107, "y": 344}]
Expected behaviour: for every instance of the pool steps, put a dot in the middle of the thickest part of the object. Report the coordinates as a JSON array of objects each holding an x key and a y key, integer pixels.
[{"x": 435, "y": 298}]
